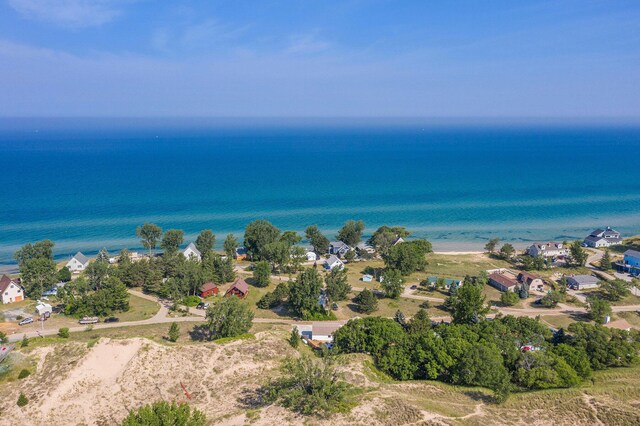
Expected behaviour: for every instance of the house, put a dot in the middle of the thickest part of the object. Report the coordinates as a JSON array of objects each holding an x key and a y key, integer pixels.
[
  {"x": 11, "y": 289},
  {"x": 531, "y": 280},
  {"x": 582, "y": 282},
  {"x": 333, "y": 262},
  {"x": 549, "y": 249},
  {"x": 241, "y": 253},
  {"x": 208, "y": 289},
  {"x": 53, "y": 291},
  {"x": 630, "y": 263},
  {"x": 191, "y": 252},
  {"x": 398, "y": 240},
  {"x": 44, "y": 309},
  {"x": 503, "y": 281},
  {"x": 603, "y": 238},
  {"x": 78, "y": 263},
  {"x": 365, "y": 247},
  {"x": 239, "y": 289},
  {"x": 338, "y": 248},
  {"x": 311, "y": 256},
  {"x": 321, "y": 332}
]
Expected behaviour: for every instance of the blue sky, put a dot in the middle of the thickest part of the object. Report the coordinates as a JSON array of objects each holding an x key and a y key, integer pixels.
[{"x": 574, "y": 58}]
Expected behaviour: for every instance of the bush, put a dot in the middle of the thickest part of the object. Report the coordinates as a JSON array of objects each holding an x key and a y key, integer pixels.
[
  {"x": 25, "y": 342},
  {"x": 191, "y": 301},
  {"x": 63, "y": 332},
  {"x": 294, "y": 339},
  {"x": 174, "y": 332},
  {"x": 24, "y": 373},
  {"x": 3, "y": 337},
  {"x": 509, "y": 298},
  {"x": 164, "y": 413},
  {"x": 22, "y": 400},
  {"x": 366, "y": 301},
  {"x": 425, "y": 305}
]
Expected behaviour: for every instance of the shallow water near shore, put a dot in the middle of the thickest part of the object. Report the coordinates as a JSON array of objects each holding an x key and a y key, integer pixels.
[{"x": 88, "y": 186}]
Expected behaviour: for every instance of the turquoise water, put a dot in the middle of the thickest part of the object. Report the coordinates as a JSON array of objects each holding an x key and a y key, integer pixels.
[{"x": 88, "y": 184}]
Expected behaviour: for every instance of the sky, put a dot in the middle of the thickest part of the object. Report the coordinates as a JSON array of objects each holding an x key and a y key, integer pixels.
[{"x": 304, "y": 58}]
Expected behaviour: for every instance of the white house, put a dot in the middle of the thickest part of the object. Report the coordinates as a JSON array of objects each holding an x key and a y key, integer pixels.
[
  {"x": 321, "y": 332},
  {"x": 338, "y": 248},
  {"x": 333, "y": 262},
  {"x": 43, "y": 309},
  {"x": 191, "y": 252},
  {"x": 550, "y": 249},
  {"x": 582, "y": 282},
  {"x": 78, "y": 263},
  {"x": 603, "y": 238},
  {"x": 311, "y": 256},
  {"x": 11, "y": 290}
]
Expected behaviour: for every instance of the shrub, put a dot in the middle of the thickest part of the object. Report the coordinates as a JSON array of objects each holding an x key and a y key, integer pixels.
[
  {"x": 174, "y": 332},
  {"x": 164, "y": 413},
  {"x": 509, "y": 298},
  {"x": 191, "y": 301},
  {"x": 64, "y": 332},
  {"x": 22, "y": 400},
  {"x": 24, "y": 373},
  {"x": 294, "y": 339},
  {"x": 25, "y": 342},
  {"x": 3, "y": 337}
]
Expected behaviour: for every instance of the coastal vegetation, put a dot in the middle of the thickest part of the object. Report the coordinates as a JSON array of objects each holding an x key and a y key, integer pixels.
[{"x": 163, "y": 413}]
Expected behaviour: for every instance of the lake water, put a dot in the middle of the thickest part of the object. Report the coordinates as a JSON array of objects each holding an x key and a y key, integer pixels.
[{"x": 87, "y": 184}]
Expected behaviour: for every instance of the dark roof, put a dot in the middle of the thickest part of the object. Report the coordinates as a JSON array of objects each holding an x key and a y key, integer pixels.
[
  {"x": 241, "y": 285},
  {"x": 634, "y": 253},
  {"x": 6, "y": 280},
  {"x": 527, "y": 277},
  {"x": 81, "y": 258},
  {"x": 208, "y": 287},
  {"x": 583, "y": 279},
  {"x": 503, "y": 279}
]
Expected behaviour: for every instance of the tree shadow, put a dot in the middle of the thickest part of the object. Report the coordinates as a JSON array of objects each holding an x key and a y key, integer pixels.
[
  {"x": 199, "y": 333},
  {"x": 479, "y": 396},
  {"x": 251, "y": 398}
]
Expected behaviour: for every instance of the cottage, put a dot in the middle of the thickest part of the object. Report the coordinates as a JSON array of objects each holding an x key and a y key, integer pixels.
[
  {"x": 11, "y": 289},
  {"x": 192, "y": 252},
  {"x": 603, "y": 238},
  {"x": 44, "y": 309},
  {"x": 630, "y": 263},
  {"x": 78, "y": 263},
  {"x": 531, "y": 280},
  {"x": 338, "y": 248},
  {"x": 208, "y": 289},
  {"x": 239, "y": 289},
  {"x": 241, "y": 253},
  {"x": 503, "y": 281},
  {"x": 549, "y": 249},
  {"x": 311, "y": 256},
  {"x": 582, "y": 282},
  {"x": 321, "y": 332},
  {"x": 363, "y": 247},
  {"x": 333, "y": 262}
]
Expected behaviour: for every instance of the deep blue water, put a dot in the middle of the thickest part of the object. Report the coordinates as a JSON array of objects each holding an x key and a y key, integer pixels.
[{"x": 88, "y": 186}]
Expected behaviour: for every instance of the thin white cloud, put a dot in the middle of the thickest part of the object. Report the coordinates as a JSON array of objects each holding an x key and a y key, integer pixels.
[
  {"x": 191, "y": 36},
  {"x": 69, "y": 13},
  {"x": 307, "y": 43}
]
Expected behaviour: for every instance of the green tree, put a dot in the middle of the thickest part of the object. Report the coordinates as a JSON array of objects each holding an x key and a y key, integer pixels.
[
  {"x": 599, "y": 309},
  {"x": 257, "y": 235},
  {"x": 309, "y": 386},
  {"x": 509, "y": 298},
  {"x": 319, "y": 242},
  {"x": 385, "y": 236},
  {"x": 304, "y": 293},
  {"x": 162, "y": 413},
  {"x": 174, "y": 332},
  {"x": 491, "y": 245},
  {"x": 40, "y": 250},
  {"x": 337, "y": 286},
  {"x": 149, "y": 235},
  {"x": 24, "y": 373},
  {"x": 578, "y": 254},
  {"x": 551, "y": 300},
  {"x": 103, "y": 256},
  {"x": 172, "y": 240},
  {"x": 294, "y": 338},
  {"x": 64, "y": 275},
  {"x": 230, "y": 246},
  {"x": 467, "y": 304},
  {"x": 615, "y": 290},
  {"x": 351, "y": 232},
  {"x": 366, "y": 301},
  {"x": 392, "y": 283},
  {"x": 25, "y": 341},
  {"x": 482, "y": 365},
  {"x": 290, "y": 237},
  {"x": 224, "y": 272},
  {"x": 278, "y": 253},
  {"x": 350, "y": 255},
  {"x": 262, "y": 274},
  {"x": 605, "y": 262},
  {"x": 228, "y": 317},
  {"x": 63, "y": 332},
  {"x": 205, "y": 242},
  {"x": 507, "y": 251},
  {"x": 420, "y": 323},
  {"x": 22, "y": 400},
  {"x": 400, "y": 318},
  {"x": 408, "y": 257},
  {"x": 37, "y": 274},
  {"x": 3, "y": 337}
]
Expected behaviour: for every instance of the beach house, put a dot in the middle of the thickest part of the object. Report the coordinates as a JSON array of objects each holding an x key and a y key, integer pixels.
[
  {"x": 320, "y": 331},
  {"x": 603, "y": 238},
  {"x": 503, "y": 281},
  {"x": 78, "y": 263},
  {"x": 11, "y": 290},
  {"x": 582, "y": 282},
  {"x": 208, "y": 289},
  {"x": 630, "y": 263},
  {"x": 239, "y": 289},
  {"x": 533, "y": 281},
  {"x": 191, "y": 252},
  {"x": 338, "y": 248},
  {"x": 333, "y": 262},
  {"x": 550, "y": 249}
]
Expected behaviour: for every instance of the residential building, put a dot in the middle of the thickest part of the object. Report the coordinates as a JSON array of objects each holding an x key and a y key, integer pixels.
[
  {"x": 533, "y": 281},
  {"x": 550, "y": 249},
  {"x": 503, "y": 281},
  {"x": 311, "y": 256},
  {"x": 338, "y": 248},
  {"x": 333, "y": 262},
  {"x": 321, "y": 332},
  {"x": 11, "y": 289},
  {"x": 44, "y": 309},
  {"x": 78, "y": 263},
  {"x": 365, "y": 247},
  {"x": 582, "y": 282},
  {"x": 191, "y": 252},
  {"x": 208, "y": 289},
  {"x": 239, "y": 289},
  {"x": 630, "y": 263},
  {"x": 603, "y": 238}
]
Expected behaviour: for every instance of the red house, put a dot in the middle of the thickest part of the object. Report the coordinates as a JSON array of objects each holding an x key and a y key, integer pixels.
[
  {"x": 239, "y": 289},
  {"x": 208, "y": 289}
]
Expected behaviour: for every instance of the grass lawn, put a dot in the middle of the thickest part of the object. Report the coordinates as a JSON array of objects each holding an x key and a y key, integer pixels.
[
  {"x": 563, "y": 321},
  {"x": 139, "y": 309}
]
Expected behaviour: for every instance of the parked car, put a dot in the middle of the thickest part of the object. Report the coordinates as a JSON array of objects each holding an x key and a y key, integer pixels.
[
  {"x": 202, "y": 305},
  {"x": 413, "y": 287},
  {"x": 89, "y": 320},
  {"x": 26, "y": 321},
  {"x": 334, "y": 306},
  {"x": 112, "y": 319}
]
